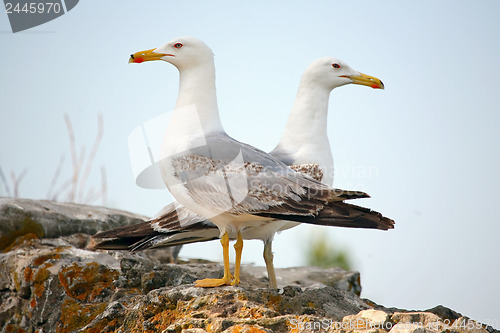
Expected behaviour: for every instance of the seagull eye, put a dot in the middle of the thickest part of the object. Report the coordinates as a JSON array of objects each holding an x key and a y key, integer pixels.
[
  {"x": 178, "y": 45},
  {"x": 336, "y": 66}
]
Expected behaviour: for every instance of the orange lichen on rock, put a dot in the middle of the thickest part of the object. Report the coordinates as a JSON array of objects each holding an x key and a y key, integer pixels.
[
  {"x": 163, "y": 319},
  {"x": 253, "y": 329},
  {"x": 255, "y": 313},
  {"x": 17, "y": 241},
  {"x": 274, "y": 302},
  {"x": 43, "y": 258},
  {"x": 25, "y": 229},
  {"x": 28, "y": 274},
  {"x": 86, "y": 282},
  {"x": 11, "y": 328},
  {"x": 75, "y": 315},
  {"x": 41, "y": 275},
  {"x": 37, "y": 273}
]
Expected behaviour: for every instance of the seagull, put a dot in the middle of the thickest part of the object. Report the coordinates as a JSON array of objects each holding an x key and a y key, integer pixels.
[{"x": 304, "y": 142}]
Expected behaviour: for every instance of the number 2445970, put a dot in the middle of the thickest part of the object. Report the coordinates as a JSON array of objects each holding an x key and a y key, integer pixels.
[{"x": 33, "y": 7}]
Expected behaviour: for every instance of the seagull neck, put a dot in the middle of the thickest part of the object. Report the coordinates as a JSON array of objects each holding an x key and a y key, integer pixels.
[
  {"x": 308, "y": 119},
  {"x": 197, "y": 88}
]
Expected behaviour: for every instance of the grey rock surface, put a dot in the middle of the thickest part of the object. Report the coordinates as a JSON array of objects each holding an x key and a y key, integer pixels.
[
  {"x": 49, "y": 219},
  {"x": 311, "y": 276},
  {"x": 55, "y": 284}
]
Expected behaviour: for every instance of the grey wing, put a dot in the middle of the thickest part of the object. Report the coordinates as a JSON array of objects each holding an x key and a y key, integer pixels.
[{"x": 232, "y": 177}]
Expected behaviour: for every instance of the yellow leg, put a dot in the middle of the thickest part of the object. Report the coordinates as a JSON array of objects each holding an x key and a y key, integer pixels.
[
  {"x": 268, "y": 258},
  {"x": 226, "y": 279},
  {"x": 238, "y": 247}
]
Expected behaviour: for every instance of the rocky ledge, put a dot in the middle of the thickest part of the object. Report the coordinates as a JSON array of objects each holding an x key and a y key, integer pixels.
[{"x": 50, "y": 282}]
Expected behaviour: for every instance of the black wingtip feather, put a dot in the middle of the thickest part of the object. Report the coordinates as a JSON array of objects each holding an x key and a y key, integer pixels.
[{"x": 341, "y": 214}]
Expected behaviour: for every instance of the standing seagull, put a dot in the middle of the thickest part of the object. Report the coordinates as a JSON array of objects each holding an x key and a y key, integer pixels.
[{"x": 271, "y": 189}]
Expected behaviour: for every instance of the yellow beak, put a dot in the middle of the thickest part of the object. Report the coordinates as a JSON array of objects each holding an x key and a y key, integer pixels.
[
  {"x": 366, "y": 80},
  {"x": 147, "y": 55}
]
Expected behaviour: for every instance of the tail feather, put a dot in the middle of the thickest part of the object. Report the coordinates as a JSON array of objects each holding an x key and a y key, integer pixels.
[
  {"x": 143, "y": 236},
  {"x": 135, "y": 231},
  {"x": 168, "y": 241},
  {"x": 348, "y": 194},
  {"x": 341, "y": 214},
  {"x": 123, "y": 243}
]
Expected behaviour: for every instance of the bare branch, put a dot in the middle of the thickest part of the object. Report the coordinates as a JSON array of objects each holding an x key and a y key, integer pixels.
[
  {"x": 61, "y": 189},
  {"x": 104, "y": 186},
  {"x": 82, "y": 167},
  {"x": 90, "y": 160},
  {"x": 16, "y": 181},
  {"x": 81, "y": 159},
  {"x": 74, "y": 156},
  {"x": 5, "y": 183},
  {"x": 91, "y": 196},
  {"x": 55, "y": 178}
]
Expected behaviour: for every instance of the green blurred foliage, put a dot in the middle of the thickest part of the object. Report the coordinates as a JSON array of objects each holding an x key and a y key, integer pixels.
[{"x": 321, "y": 252}]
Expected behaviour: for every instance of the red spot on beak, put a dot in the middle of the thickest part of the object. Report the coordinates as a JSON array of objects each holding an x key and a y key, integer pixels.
[{"x": 138, "y": 60}]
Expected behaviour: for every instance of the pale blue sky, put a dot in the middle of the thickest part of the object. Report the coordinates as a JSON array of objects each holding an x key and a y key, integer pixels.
[{"x": 430, "y": 140}]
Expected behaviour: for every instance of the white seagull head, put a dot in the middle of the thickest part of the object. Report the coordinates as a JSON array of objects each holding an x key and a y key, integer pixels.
[
  {"x": 331, "y": 73},
  {"x": 182, "y": 52}
]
